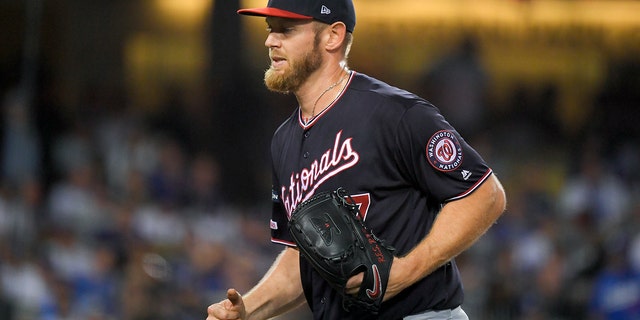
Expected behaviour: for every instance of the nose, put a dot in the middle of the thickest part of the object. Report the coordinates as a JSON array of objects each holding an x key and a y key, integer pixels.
[{"x": 272, "y": 40}]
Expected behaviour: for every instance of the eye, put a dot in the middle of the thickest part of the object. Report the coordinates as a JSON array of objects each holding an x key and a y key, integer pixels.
[{"x": 280, "y": 29}]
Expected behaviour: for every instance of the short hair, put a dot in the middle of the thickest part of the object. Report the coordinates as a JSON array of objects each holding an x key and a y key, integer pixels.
[{"x": 348, "y": 41}]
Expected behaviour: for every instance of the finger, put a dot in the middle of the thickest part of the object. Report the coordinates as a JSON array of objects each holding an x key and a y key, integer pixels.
[
  {"x": 216, "y": 312},
  {"x": 222, "y": 311},
  {"x": 234, "y": 296},
  {"x": 354, "y": 283}
]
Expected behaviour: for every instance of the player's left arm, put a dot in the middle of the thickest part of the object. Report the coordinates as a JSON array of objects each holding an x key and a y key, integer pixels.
[{"x": 458, "y": 225}]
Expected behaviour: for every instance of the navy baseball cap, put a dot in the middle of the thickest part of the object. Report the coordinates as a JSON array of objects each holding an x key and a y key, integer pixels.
[{"x": 327, "y": 11}]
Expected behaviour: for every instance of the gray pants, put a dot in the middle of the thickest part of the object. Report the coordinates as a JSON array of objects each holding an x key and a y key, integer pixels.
[{"x": 453, "y": 314}]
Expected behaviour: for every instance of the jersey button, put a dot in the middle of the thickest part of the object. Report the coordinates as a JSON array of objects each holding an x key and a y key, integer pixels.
[
  {"x": 307, "y": 134},
  {"x": 306, "y": 155}
]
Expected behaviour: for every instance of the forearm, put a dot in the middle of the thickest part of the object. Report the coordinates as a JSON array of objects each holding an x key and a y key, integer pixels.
[
  {"x": 279, "y": 291},
  {"x": 458, "y": 225}
]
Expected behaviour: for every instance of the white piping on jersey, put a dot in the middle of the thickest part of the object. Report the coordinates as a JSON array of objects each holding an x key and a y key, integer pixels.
[
  {"x": 474, "y": 187},
  {"x": 286, "y": 243},
  {"x": 317, "y": 116}
]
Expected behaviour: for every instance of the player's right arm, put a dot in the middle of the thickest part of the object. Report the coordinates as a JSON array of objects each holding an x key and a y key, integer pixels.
[{"x": 279, "y": 291}]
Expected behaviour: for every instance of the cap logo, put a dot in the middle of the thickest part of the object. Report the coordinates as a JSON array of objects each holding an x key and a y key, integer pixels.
[{"x": 325, "y": 10}]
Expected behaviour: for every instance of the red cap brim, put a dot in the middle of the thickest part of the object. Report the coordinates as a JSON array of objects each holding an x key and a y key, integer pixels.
[{"x": 272, "y": 12}]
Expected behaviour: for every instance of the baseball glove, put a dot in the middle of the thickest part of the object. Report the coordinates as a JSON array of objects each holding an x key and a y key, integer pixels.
[{"x": 333, "y": 239}]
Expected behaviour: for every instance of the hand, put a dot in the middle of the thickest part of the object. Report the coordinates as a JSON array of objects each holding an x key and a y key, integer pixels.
[
  {"x": 231, "y": 308},
  {"x": 393, "y": 287},
  {"x": 354, "y": 283}
]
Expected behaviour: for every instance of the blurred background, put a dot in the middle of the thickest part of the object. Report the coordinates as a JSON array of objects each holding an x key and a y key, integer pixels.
[{"x": 135, "y": 174}]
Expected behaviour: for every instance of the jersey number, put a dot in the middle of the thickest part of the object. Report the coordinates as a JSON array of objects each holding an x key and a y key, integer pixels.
[{"x": 363, "y": 201}]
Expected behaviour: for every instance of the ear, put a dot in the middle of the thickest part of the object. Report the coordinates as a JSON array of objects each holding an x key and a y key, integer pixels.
[{"x": 337, "y": 33}]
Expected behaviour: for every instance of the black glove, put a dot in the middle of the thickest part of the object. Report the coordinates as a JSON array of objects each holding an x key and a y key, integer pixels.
[{"x": 331, "y": 236}]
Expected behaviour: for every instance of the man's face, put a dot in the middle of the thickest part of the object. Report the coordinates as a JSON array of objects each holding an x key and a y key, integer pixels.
[{"x": 293, "y": 49}]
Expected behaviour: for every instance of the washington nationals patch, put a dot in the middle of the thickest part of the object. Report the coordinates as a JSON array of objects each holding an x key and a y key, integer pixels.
[{"x": 444, "y": 151}]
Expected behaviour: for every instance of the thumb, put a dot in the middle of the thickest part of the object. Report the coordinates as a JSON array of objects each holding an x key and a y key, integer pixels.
[{"x": 234, "y": 296}]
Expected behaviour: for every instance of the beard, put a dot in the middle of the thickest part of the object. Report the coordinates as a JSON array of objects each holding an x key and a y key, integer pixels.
[{"x": 291, "y": 79}]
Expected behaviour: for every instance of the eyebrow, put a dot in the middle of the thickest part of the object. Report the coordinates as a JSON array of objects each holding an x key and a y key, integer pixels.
[{"x": 286, "y": 21}]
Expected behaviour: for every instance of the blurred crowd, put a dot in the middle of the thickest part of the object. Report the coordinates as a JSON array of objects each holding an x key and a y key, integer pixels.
[
  {"x": 568, "y": 246},
  {"x": 132, "y": 224},
  {"x": 131, "y": 227}
]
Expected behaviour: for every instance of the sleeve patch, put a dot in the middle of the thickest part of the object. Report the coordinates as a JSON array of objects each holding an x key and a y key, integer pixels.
[{"x": 444, "y": 151}]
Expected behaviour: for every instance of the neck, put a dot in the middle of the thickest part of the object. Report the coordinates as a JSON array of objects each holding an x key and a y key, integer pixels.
[{"x": 321, "y": 92}]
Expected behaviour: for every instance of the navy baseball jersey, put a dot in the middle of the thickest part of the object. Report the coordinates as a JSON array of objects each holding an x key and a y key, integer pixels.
[{"x": 400, "y": 161}]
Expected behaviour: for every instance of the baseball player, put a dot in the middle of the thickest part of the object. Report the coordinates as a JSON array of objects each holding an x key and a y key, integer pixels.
[{"x": 418, "y": 184}]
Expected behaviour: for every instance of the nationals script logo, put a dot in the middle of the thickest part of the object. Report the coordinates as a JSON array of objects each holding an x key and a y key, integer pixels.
[{"x": 303, "y": 184}]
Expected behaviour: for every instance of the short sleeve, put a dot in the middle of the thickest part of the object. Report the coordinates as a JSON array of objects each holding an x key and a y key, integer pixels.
[
  {"x": 279, "y": 219},
  {"x": 436, "y": 157}
]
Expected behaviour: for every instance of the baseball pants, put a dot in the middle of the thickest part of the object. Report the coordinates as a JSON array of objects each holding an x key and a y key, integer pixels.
[{"x": 453, "y": 314}]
